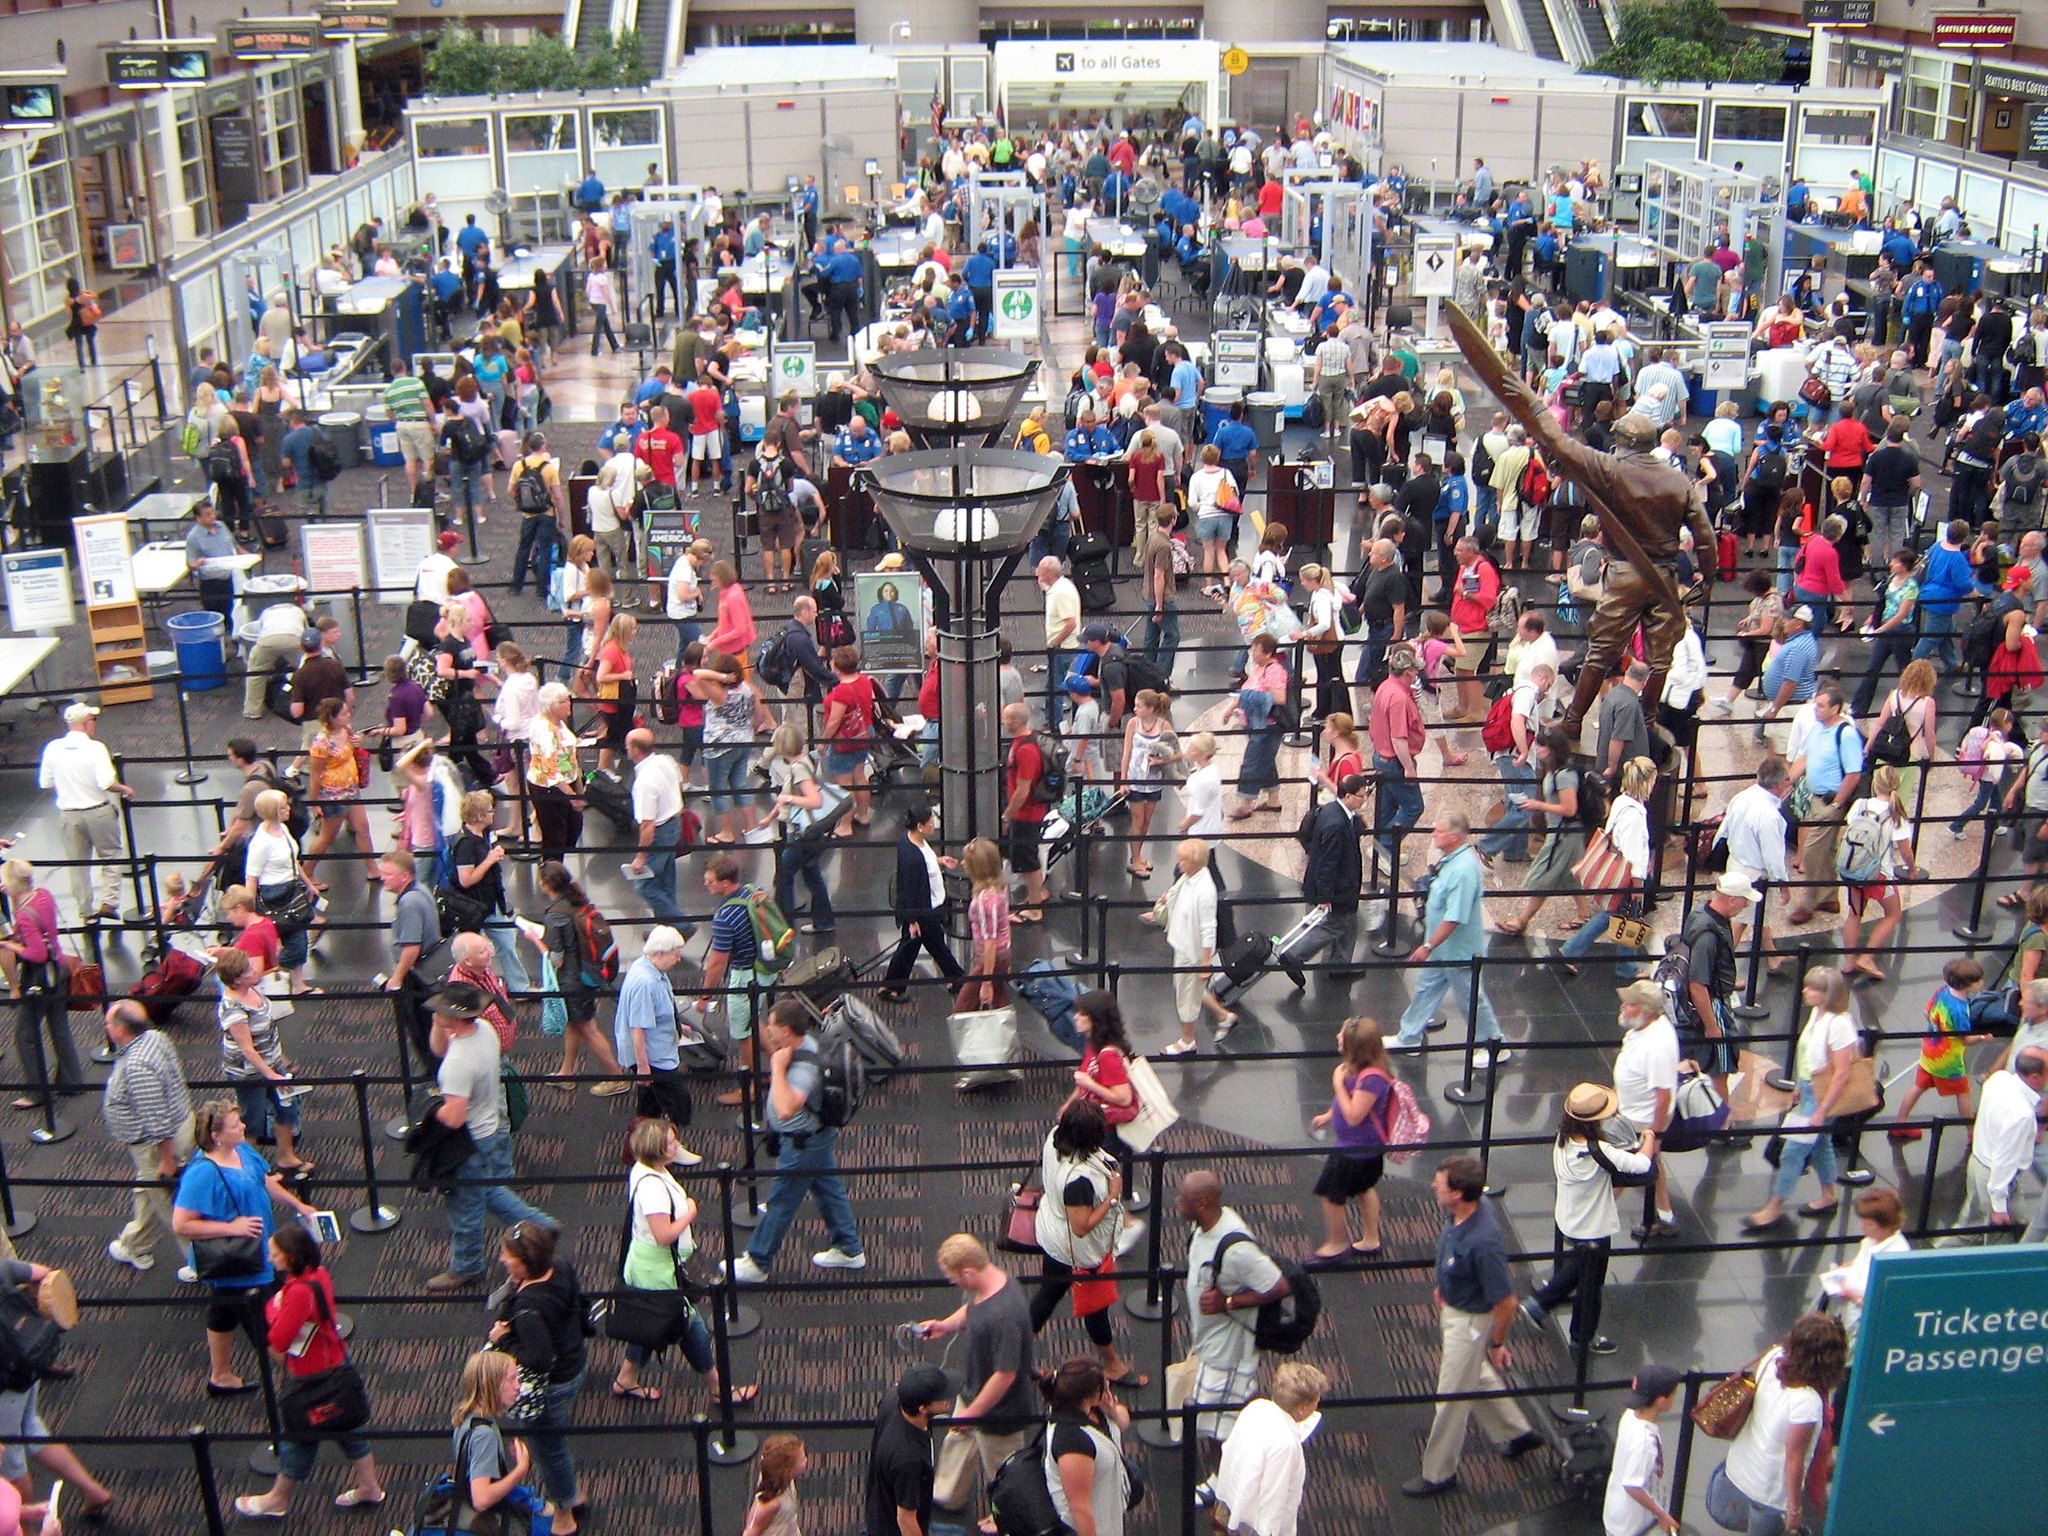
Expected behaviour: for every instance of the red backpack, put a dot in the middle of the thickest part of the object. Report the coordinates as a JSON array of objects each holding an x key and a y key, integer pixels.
[
  {"x": 599, "y": 956},
  {"x": 1533, "y": 489},
  {"x": 1497, "y": 734}
]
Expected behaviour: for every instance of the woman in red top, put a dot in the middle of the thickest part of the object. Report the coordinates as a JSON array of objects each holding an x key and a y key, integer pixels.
[
  {"x": 259, "y": 938},
  {"x": 1817, "y": 577},
  {"x": 1847, "y": 444},
  {"x": 303, "y": 1336},
  {"x": 1343, "y": 751},
  {"x": 1104, "y": 1076},
  {"x": 849, "y": 734},
  {"x": 1147, "y": 468},
  {"x": 734, "y": 631},
  {"x": 617, "y": 693}
]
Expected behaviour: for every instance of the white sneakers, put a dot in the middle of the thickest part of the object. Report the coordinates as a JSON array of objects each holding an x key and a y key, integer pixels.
[
  {"x": 121, "y": 1253},
  {"x": 744, "y": 1271},
  {"x": 1133, "y": 1233},
  {"x": 187, "y": 1275},
  {"x": 839, "y": 1258}
]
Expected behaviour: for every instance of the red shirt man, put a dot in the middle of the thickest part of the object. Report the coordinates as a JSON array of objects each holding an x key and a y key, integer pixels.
[
  {"x": 661, "y": 448},
  {"x": 1271, "y": 195},
  {"x": 1123, "y": 155},
  {"x": 707, "y": 411},
  {"x": 1473, "y": 590},
  {"x": 1396, "y": 720}
]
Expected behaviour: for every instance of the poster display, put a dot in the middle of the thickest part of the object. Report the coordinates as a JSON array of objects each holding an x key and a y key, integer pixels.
[
  {"x": 38, "y": 583},
  {"x": 331, "y": 556},
  {"x": 400, "y": 538},
  {"x": 891, "y": 610},
  {"x": 105, "y": 563}
]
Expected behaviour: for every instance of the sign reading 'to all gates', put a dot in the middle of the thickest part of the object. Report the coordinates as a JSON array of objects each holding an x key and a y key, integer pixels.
[
  {"x": 796, "y": 371},
  {"x": 1016, "y": 303},
  {"x": 1952, "y": 1351}
]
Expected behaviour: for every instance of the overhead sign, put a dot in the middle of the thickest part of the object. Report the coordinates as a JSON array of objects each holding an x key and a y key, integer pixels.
[
  {"x": 1727, "y": 356},
  {"x": 796, "y": 370},
  {"x": 152, "y": 66},
  {"x": 2007, "y": 82},
  {"x": 235, "y": 173},
  {"x": 1236, "y": 61},
  {"x": 30, "y": 103},
  {"x": 1436, "y": 267},
  {"x": 1016, "y": 304},
  {"x": 355, "y": 23},
  {"x": 1974, "y": 29},
  {"x": 277, "y": 37},
  {"x": 105, "y": 565},
  {"x": 1952, "y": 1351},
  {"x": 97, "y": 135},
  {"x": 38, "y": 585},
  {"x": 1838, "y": 13},
  {"x": 1135, "y": 59}
]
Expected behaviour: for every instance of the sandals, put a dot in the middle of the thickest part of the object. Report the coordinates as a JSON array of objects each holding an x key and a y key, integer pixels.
[
  {"x": 1132, "y": 1377},
  {"x": 249, "y": 1507},
  {"x": 639, "y": 1394},
  {"x": 352, "y": 1498},
  {"x": 1511, "y": 928},
  {"x": 742, "y": 1396},
  {"x": 1571, "y": 925},
  {"x": 1820, "y": 1211}
]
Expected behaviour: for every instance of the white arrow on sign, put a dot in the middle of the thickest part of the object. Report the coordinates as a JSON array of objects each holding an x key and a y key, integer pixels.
[{"x": 1881, "y": 1423}]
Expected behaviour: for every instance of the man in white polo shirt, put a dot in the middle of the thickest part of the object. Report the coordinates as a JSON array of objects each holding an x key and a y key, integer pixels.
[
  {"x": 78, "y": 767},
  {"x": 658, "y": 813},
  {"x": 1062, "y": 630}
]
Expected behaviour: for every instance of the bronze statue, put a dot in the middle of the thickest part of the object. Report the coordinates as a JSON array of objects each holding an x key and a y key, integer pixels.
[{"x": 1641, "y": 502}]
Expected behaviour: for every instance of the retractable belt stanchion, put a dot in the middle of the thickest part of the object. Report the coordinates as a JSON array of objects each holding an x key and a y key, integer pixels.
[
  {"x": 1927, "y": 1178},
  {"x": 1145, "y": 1307},
  {"x": 103, "y": 1054},
  {"x": 191, "y": 774},
  {"x": 730, "y": 1446},
  {"x": 1468, "y": 1090},
  {"x": 1156, "y": 1428},
  {"x": 53, "y": 1129},
  {"x": 18, "y": 1223},
  {"x": 1749, "y": 1007},
  {"x": 355, "y": 614},
  {"x": 740, "y": 1319},
  {"x": 400, "y": 1124},
  {"x": 700, "y": 1447},
  {"x": 209, "y": 1485},
  {"x": 263, "y": 1458},
  {"x": 374, "y": 1215},
  {"x": 1972, "y": 929},
  {"x": 1786, "y": 1079}
]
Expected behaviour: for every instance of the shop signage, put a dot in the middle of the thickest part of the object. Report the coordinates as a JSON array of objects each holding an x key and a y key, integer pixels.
[
  {"x": 1878, "y": 56},
  {"x": 2007, "y": 82},
  {"x": 235, "y": 174},
  {"x": 283, "y": 37},
  {"x": 1838, "y": 13},
  {"x": 1953, "y": 1350},
  {"x": 97, "y": 135},
  {"x": 151, "y": 66},
  {"x": 38, "y": 585},
  {"x": 355, "y": 25},
  {"x": 228, "y": 96},
  {"x": 1974, "y": 29},
  {"x": 2034, "y": 146}
]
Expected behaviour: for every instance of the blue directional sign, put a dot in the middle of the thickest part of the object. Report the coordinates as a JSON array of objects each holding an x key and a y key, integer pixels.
[{"x": 1953, "y": 1353}]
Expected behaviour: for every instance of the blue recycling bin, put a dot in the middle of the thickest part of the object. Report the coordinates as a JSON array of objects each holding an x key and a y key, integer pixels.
[{"x": 199, "y": 638}]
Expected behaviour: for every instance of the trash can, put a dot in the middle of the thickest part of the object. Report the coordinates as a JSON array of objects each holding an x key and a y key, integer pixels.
[
  {"x": 198, "y": 639},
  {"x": 383, "y": 433},
  {"x": 1263, "y": 413},
  {"x": 1216, "y": 404},
  {"x": 344, "y": 430}
]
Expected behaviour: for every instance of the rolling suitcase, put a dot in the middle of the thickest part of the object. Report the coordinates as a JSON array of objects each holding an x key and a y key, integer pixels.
[
  {"x": 606, "y": 793},
  {"x": 1090, "y": 557},
  {"x": 1295, "y": 946},
  {"x": 879, "y": 1047},
  {"x": 820, "y": 979},
  {"x": 1243, "y": 963}
]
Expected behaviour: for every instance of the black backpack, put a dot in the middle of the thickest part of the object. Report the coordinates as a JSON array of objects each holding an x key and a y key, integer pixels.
[
  {"x": 1592, "y": 793},
  {"x": 530, "y": 490},
  {"x": 322, "y": 459},
  {"x": 777, "y": 662},
  {"x": 1893, "y": 744},
  {"x": 469, "y": 444},
  {"x": 1986, "y": 629},
  {"x": 1020, "y": 1497},
  {"x": 1050, "y": 787},
  {"x": 1142, "y": 672},
  {"x": 842, "y": 1079},
  {"x": 28, "y": 1341},
  {"x": 298, "y": 818},
  {"x": 1285, "y": 1325},
  {"x": 223, "y": 464}
]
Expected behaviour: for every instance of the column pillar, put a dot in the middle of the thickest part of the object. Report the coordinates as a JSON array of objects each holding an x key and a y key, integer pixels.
[
  {"x": 175, "y": 225},
  {"x": 348, "y": 101}
]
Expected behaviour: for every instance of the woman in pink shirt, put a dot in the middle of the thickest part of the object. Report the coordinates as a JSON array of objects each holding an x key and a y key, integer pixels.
[
  {"x": 734, "y": 634},
  {"x": 1817, "y": 577},
  {"x": 988, "y": 929}
]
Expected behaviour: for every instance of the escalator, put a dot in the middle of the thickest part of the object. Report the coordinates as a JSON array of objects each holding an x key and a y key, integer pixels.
[
  {"x": 1593, "y": 22},
  {"x": 1542, "y": 35},
  {"x": 593, "y": 24},
  {"x": 652, "y": 25}
]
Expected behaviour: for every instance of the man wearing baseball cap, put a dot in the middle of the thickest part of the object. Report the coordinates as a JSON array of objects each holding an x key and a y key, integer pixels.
[
  {"x": 79, "y": 770},
  {"x": 1791, "y": 674},
  {"x": 899, "y": 1482},
  {"x": 1639, "y": 1479}
]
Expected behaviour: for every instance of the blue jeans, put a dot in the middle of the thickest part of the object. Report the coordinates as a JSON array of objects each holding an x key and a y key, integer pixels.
[
  {"x": 466, "y": 485},
  {"x": 1937, "y": 636},
  {"x": 1510, "y": 835},
  {"x": 1400, "y": 803},
  {"x": 725, "y": 770},
  {"x": 1372, "y": 656},
  {"x": 1985, "y": 803},
  {"x": 492, "y": 1160},
  {"x": 1435, "y": 980},
  {"x": 1582, "y": 944},
  {"x": 504, "y": 939},
  {"x": 658, "y": 886},
  {"x": 1823, "y": 608},
  {"x": 687, "y": 630},
  {"x": 1787, "y": 555},
  {"x": 807, "y": 1170},
  {"x": 1734, "y": 1510},
  {"x": 550, "y": 1446},
  {"x": 799, "y": 859},
  {"x": 538, "y": 545},
  {"x": 1819, "y": 1151},
  {"x": 1162, "y": 637}
]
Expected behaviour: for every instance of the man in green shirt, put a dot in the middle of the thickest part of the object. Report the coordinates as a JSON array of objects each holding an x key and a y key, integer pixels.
[{"x": 405, "y": 397}]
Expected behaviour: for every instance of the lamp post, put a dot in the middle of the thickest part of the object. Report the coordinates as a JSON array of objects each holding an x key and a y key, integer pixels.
[{"x": 963, "y": 513}]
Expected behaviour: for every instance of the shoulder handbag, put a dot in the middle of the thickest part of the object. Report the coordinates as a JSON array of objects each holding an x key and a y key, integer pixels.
[
  {"x": 217, "y": 1259},
  {"x": 1726, "y": 1407},
  {"x": 1860, "y": 1092},
  {"x": 652, "y": 1319},
  {"x": 293, "y": 914},
  {"x": 1602, "y": 871},
  {"x": 1156, "y": 1113},
  {"x": 330, "y": 1402},
  {"x": 1020, "y": 1220}
]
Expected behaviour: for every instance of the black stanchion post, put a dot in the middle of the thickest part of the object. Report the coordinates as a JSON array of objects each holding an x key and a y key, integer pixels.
[
  {"x": 1749, "y": 1007},
  {"x": 749, "y": 1215},
  {"x": 1084, "y": 897},
  {"x": 18, "y": 1223},
  {"x": 1102, "y": 941},
  {"x": 191, "y": 775},
  {"x": 53, "y": 1129},
  {"x": 1574, "y": 1410},
  {"x": 1492, "y": 1049},
  {"x": 524, "y": 848},
  {"x": 740, "y": 1319},
  {"x": 700, "y": 1442},
  {"x": 1190, "y": 1471},
  {"x": 209, "y": 1485},
  {"x": 263, "y": 1458},
  {"x": 1146, "y": 1306},
  {"x": 1681, "y": 1463},
  {"x": 374, "y": 1216},
  {"x": 1786, "y": 1079},
  {"x": 128, "y": 832},
  {"x": 400, "y": 1124},
  {"x": 355, "y": 615},
  {"x": 1973, "y": 930},
  {"x": 469, "y": 522},
  {"x": 1157, "y": 1431},
  {"x": 1389, "y": 942},
  {"x": 730, "y": 1446},
  {"x": 1927, "y": 1180},
  {"x": 1467, "y": 1090}
]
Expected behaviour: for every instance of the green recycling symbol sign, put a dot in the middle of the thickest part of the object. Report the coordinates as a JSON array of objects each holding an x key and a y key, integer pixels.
[
  {"x": 1019, "y": 303},
  {"x": 794, "y": 366}
]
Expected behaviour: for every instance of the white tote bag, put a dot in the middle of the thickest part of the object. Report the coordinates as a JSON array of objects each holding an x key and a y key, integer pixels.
[
  {"x": 1155, "y": 1109},
  {"x": 985, "y": 1038}
]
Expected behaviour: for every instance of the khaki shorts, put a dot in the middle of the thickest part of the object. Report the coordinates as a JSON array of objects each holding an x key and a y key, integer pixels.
[
  {"x": 416, "y": 442},
  {"x": 1476, "y": 643}
]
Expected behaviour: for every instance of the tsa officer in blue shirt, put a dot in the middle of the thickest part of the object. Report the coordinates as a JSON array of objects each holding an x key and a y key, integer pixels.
[
  {"x": 842, "y": 276},
  {"x": 979, "y": 270},
  {"x": 663, "y": 250},
  {"x": 858, "y": 444},
  {"x": 590, "y": 194},
  {"x": 1088, "y": 443},
  {"x": 807, "y": 209},
  {"x": 962, "y": 312}
]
